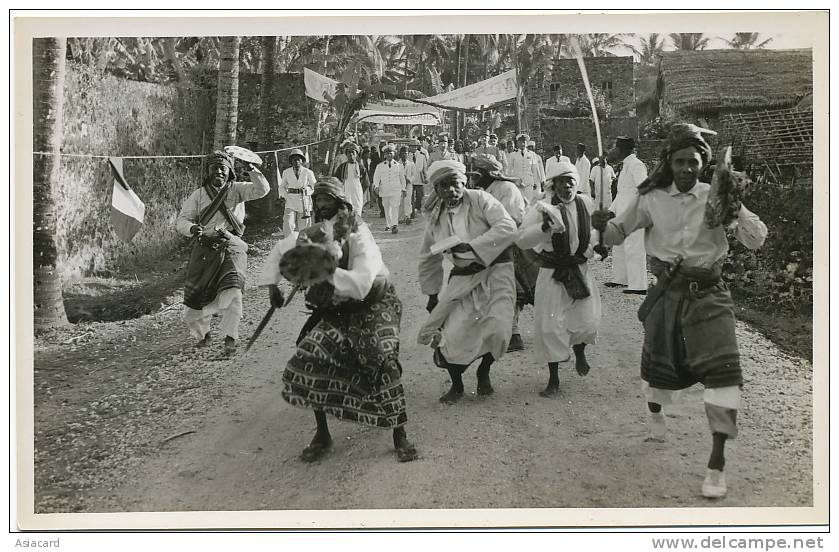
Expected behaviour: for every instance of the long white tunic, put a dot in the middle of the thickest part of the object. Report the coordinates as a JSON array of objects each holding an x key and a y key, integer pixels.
[
  {"x": 304, "y": 180},
  {"x": 474, "y": 311},
  {"x": 352, "y": 187},
  {"x": 629, "y": 260},
  {"x": 583, "y": 166},
  {"x": 560, "y": 321}
]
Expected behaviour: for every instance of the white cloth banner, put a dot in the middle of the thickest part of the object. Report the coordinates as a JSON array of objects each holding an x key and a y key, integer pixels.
[
  {"x": 400, "y": 113},
  {"x": 499, "y": 88},
  {"x": 318, "y": 86}
]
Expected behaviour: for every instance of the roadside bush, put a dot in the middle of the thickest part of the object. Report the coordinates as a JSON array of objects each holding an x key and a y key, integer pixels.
[{"x": 778, "y": 277}]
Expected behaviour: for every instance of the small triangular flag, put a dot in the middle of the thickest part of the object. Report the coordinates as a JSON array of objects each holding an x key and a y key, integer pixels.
[{"x": 127, "y": 211}]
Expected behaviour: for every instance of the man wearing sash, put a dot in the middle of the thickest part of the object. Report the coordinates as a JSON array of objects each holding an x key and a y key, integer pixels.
[
  {"x": 347, "y": 359},
  {"x": 354, "y": 176},
  {"x": 567, "y": 308},
  {"x": 213, "y": 216},
  {"x": 688, "y": 316},
  {"x": 296, "y": 187},
  {"x": 470, "y": 319}
]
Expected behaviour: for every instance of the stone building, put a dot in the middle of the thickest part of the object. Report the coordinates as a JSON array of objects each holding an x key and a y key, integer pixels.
[{"x": 557, "y": 107}]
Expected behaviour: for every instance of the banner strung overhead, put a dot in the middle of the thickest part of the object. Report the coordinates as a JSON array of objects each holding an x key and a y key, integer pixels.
[
  {"x": 399, "y": 113},
  {"x": 318, "y": 86},
  {"x": 494, "y": 90}
]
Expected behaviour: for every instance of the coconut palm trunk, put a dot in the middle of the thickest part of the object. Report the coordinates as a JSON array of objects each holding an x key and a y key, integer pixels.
[
  {"x": 48, "y": 120},
  {"x": 264, "y": 208},
  {"x": 227, "y": 101}
]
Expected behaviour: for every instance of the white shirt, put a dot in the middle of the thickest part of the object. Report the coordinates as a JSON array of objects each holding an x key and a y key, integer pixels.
[
  {"x": 389, "y": 180},
  {"x": 603, "y": 189},
  {"x": 522, "y": 165},
  {"x": 552, "y": 161},
  {"x": 305, "y": 179}
]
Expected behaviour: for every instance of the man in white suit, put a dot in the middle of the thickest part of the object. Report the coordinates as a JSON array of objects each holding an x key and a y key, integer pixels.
[{"x": 296, "y": 187}]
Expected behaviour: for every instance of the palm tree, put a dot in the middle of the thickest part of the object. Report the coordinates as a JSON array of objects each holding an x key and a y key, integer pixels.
[
  {"x": 227, "y": 100},
  {"x": 600, "y": 44},
  {"x": 689, "y": 41},
  {"x": 48, "y": 132},
  {"x": 746, "y": 41},
  {"x": 651, "y": 49},
  {"x": 268, "y": 45}
]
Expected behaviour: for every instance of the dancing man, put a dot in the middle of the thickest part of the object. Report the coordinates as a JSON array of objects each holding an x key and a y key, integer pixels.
[
  {"x": 567, "y": 307},
  {"x": 347, "y": 358},
  {"x": 689, "y": 316},
  {"x": 213, "y": 216},
  {"x": 471, "y": 318}
]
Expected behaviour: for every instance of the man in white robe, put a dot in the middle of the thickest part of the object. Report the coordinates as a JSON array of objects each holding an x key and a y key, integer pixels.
[
  {"x": 470, "y": 318},
  {"x": 583, "y": 166},
  {"x": 567, "y": 310},
  {"x": 354, "y": 177},
  {"x": 629, "y": 260},
  {"x": 540, "y": 167}
]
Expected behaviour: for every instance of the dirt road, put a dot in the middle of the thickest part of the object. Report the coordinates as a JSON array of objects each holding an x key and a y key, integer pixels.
[{"x": 108, "y": 396}]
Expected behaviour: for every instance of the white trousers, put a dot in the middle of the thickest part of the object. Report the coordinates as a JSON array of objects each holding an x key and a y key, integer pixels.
[
  {"x": 391, "y": 205},
  {"x": 293, "y": 222},
  {"x": 721, "y": 405},
  {"x": 228, "y": 304},
  {"x": 629, "y": 262},
  {"x": 406, "y": 205}
]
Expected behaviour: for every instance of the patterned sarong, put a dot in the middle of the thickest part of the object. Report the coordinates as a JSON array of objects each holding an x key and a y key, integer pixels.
[
  {"x": 347, "y": 364},
  {"x": 689, "y": 336},
  {"x": 211, "y": 270}
]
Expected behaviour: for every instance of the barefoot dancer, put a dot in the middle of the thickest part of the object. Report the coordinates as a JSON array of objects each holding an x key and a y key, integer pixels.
[
  {"x": 347, "y": 358},
  {"x": 471, "y": 319},
  {"x": 567, "y": 308},
  {"x": 688, "y": 327}
]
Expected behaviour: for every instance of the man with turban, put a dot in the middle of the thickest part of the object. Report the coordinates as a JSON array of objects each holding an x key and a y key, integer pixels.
[
  {"x": 213, "y": 215},
  {"x": 354, "y": 176},
  {"x": 689, "y": 316},
  {"x": 567, "y": 308},
  {"x": 347, "y": 359},
  {"x": 471, "y": 318},
  {"x": 522, "y": 165},
  {"x": 487, "y": 176},
  {"x": 629, "y": 260},
  {"x": 296, "y": 187},
  {"x": 390, "y": 185}
]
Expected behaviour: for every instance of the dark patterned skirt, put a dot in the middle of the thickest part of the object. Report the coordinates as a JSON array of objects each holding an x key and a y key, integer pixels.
[
  {"x": 212, "y": 270},
  {"x": 347, "y": 364},
  {"x": 689, "y": 337}
]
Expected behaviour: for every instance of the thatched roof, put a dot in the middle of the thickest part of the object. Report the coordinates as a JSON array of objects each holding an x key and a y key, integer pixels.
[{"x": 712, "y": 80}]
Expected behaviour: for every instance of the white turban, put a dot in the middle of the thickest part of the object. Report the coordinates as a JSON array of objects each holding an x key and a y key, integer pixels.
[
  {"x": 445, "y": 168},
  {"x": 563, "y": 168}
]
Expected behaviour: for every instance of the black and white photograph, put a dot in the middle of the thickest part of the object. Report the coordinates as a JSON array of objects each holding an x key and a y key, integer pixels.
[{"x": 558, "y": 270}]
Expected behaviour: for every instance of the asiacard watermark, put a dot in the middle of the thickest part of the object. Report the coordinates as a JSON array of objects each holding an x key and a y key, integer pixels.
[
  {"x": 37, "y": 543},
  {"x": 726, "y": 542}
]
